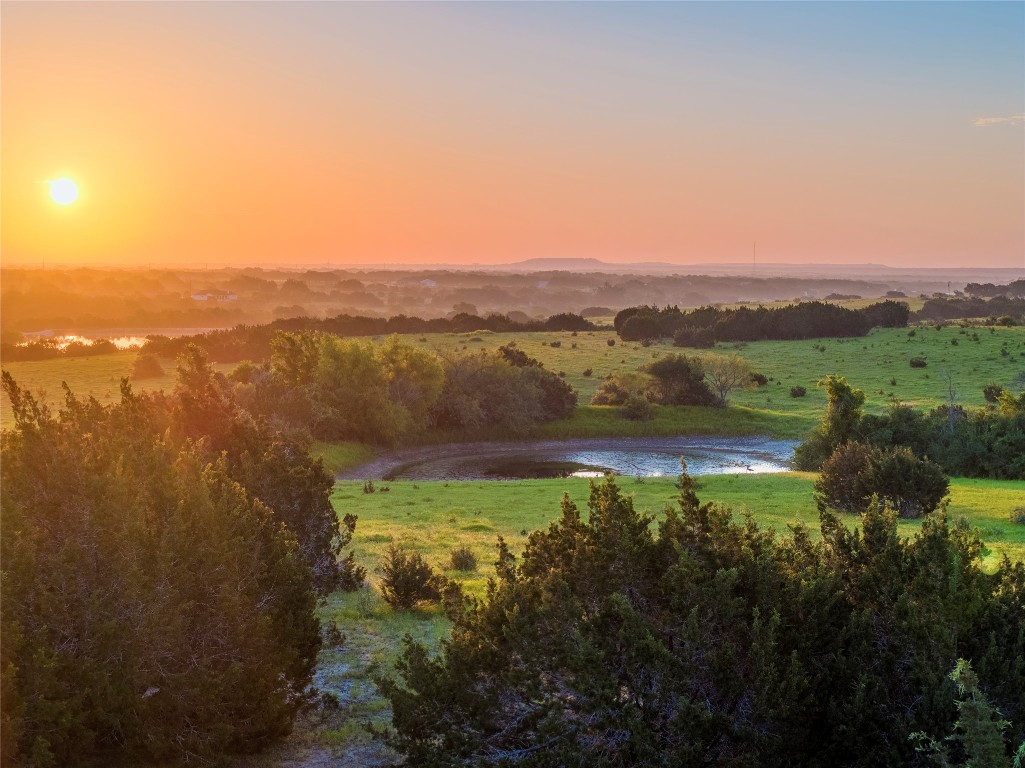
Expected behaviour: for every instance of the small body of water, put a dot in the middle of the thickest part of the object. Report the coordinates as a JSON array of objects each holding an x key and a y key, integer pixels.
[
  {"x": 122, "y": 338},
  {"x": 647, "y": 457}
]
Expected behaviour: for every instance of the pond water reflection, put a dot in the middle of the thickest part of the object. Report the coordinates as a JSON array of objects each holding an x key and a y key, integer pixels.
[{"x": 647, "y": 457}]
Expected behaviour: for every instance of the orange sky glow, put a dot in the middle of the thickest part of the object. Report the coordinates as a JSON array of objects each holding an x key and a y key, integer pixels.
[{"x": 274, "y": 133}]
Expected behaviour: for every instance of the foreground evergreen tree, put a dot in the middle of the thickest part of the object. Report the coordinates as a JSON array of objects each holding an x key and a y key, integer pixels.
[
  {"x": 153, "y": 605},
  {"x": 710, "y": 642}
]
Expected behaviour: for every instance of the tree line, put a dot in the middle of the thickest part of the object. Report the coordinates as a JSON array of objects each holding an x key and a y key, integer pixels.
[
  {"x": 699, "y": 640},
  {"x": 253, "y": 342},
  {"x": 705, "y": 326},
  {"x": 162, "y": 557},
  {"x": 989, "y": 290},
  {"x": 954, "y": 307}
]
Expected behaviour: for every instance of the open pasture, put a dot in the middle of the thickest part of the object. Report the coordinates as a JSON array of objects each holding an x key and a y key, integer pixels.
[
  {"x": 974, "y": 356},
  {"x": 436, "y": 517}
]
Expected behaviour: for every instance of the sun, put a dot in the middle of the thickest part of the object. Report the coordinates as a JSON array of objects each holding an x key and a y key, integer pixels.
[{"x": 63, "y": 191}]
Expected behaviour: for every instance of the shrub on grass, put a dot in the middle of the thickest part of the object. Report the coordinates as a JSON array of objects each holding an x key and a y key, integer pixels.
[
  {"x": 611, "y": 342},
  {"x": 637, "y": 408},
  {"x": 991, "y": 392},
  {"x": 587, "y": 372},
  {"x": 147, "y": 366},
  {"x": 407, "y": 579},
  {"x": 759, "y": 379},
  {"x": 855, "y": 472},
  {"x": 841, "y": 484},
  {"x": 798, "y": 391},
  {"x": 463, "y": 559},
  {"x": 917, "y": 362}
]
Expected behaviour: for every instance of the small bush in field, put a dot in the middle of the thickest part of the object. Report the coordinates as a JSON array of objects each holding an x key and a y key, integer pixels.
[
  {"x": 1018, "y": 515},
  {"x": 798, "y": 391},
  {"x": 759, "y": 379},
  {"x": 463, "y": 559},
  {"x": 917, "y": 362},
  {"x": 587, "y": 372},
  {"x": 407, "y": 579},
  {"x": 147, "y": 366},
  {"x": 611, "y": 342},
  {"x": 637, "y": 408}
]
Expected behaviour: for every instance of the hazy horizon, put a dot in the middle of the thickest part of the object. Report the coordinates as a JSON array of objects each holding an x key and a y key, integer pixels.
[{"x": 347, "y": 134}]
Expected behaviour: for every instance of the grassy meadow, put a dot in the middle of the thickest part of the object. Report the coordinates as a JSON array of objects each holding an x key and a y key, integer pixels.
[{"x": 869, "y": 363}]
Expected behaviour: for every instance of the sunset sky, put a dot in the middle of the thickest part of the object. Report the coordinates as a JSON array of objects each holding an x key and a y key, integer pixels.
[{"x": 357, "y": 133}]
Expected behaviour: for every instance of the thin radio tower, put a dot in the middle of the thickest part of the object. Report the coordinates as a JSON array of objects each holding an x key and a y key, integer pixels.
[{"x": 754, "y": 258}]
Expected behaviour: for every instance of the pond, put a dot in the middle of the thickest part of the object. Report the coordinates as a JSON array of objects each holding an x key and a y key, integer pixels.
[{"x": 647, "y": 457}]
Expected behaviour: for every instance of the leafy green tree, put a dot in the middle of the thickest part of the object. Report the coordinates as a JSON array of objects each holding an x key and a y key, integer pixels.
[
  {"x": 482, "y": 390},
  {"x": 724, "y": 373},
  {"x": 295, "y": 356},
  {"x": 415, "y": 378},
  {"x": 678, "y": 380},
  {"x": 352, "y": 395}
]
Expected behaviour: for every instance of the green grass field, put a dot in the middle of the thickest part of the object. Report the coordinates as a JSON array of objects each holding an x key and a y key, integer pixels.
[
  {"x": 869, "y": 363},
  {"x": 436, "y": 517}
]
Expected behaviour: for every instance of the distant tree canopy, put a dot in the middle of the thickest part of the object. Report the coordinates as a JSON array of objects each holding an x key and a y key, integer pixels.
[
  {"x": 255, "y": 342},
  {"x": 805, "y": 320},
  {"x": 706, "y": 641},
  {"x": 162, "y": 559},
  {"x": 989, "y": 290},
  {"x": 954, "y": 307}
]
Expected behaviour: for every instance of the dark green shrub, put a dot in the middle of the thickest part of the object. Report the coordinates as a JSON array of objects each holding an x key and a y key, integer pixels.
[
  {"x": 147, "y": 366},
  {"x": 759, "y": 379},
  {"x": 637, "y": 408},
  {"x": 611, "y": 342},
  {"x": 991, "y": 392},
  {"x": 407, "y": 579},
  {"x": 910, "y": 485},
  {"x": 842, "y": 480},
  {"x": 463, "y": 559},
  {"x": 798, "y": 391},
  {"x": 587, "y": 372},
  {"x": 609, "y": 392},
  {"x": 917, "y": 362}
]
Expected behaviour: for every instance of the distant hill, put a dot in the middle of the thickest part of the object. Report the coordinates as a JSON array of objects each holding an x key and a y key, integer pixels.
[{"x": 761, "y": 270}]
